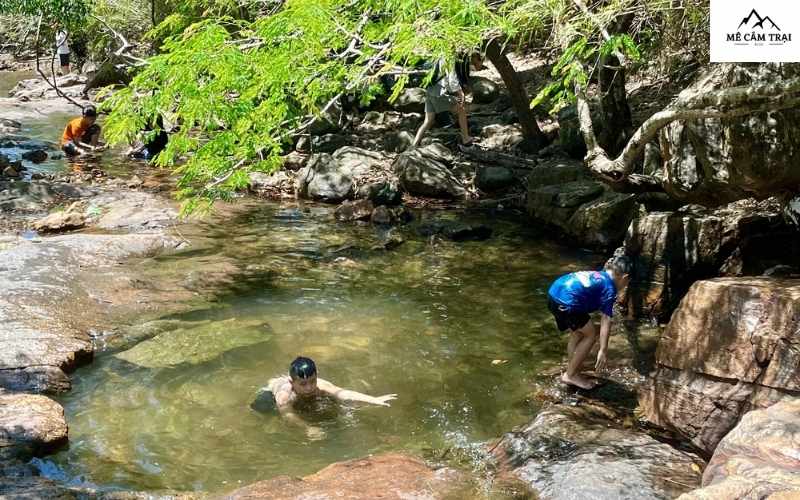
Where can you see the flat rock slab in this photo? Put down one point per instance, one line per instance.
(578, 452)
(30, 424)
(388, 477)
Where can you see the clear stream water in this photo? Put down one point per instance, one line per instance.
(459, 331)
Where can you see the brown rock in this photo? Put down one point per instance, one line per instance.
(733, 345)
(672, 250)
(388, 477)
(30, 424)
(60, 221)
(757, 459)
(10, 172)
(354, 210)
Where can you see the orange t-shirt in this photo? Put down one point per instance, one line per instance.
(74, 131)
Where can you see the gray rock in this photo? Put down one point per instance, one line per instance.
(322, 180)
(484, 91)
(716, 161)
(398, 142)
(411, 100)
(494, 178)
(577, 452)
(328, 143)
(381, 193)
(386, 216)
(332, 178)
(270, 184)
(294, 161)
(36, 155)
(422, 172)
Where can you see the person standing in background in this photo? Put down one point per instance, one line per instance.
(62, 49)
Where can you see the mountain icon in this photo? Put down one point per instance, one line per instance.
(760, 23)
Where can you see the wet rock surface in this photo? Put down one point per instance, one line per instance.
(579, 452)
(757, 459)
(425, 172)
(732, 346)
(388, 476)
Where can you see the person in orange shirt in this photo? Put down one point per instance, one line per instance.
(81, 135)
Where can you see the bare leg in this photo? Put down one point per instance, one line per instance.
(574, 337)
(426, 124)
(588, 336)
(461, 112)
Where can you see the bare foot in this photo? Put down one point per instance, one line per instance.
(578, 381)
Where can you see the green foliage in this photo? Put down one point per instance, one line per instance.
(65, 12)
(238, 88)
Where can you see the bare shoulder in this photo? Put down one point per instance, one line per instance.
(281, 388)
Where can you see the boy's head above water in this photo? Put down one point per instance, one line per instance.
(303, 373)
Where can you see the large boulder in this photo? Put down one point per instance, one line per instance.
(560, 193)
(732, 346)
(484, 91)
(494, 178)
(333, 178)
(424, 172)
(714, 161)
(757, 459)
(30, 424)
(576, 452)
(411, 100)
(672, 250)
(60, 221)
(388, 476)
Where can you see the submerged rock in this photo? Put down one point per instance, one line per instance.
(350, 211)
(578, 452)
(389, 476)
(731, 347)
(494, 178)
(456, 231)
(757, 459)
(36, 155)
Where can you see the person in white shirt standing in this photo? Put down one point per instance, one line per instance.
(62, 49)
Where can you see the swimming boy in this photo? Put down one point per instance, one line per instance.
(302, 384)
(81, 134)
(572, 298)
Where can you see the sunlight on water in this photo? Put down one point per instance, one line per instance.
(423, 321)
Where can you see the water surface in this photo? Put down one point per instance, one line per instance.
(458, 330)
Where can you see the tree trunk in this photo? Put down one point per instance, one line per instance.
(534, 137)
(615, 117)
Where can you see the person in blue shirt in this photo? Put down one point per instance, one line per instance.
(572, 298)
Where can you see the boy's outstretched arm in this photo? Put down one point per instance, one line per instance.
(348, 395)
(602, 353)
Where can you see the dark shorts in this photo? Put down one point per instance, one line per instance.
(71, 149)
(64, 58)
(566, 319)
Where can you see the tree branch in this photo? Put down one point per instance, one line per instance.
(54, 83)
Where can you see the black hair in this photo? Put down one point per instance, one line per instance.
(620, 264)
(302, 368)
(89, 111)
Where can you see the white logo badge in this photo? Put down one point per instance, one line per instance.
(750, 31)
